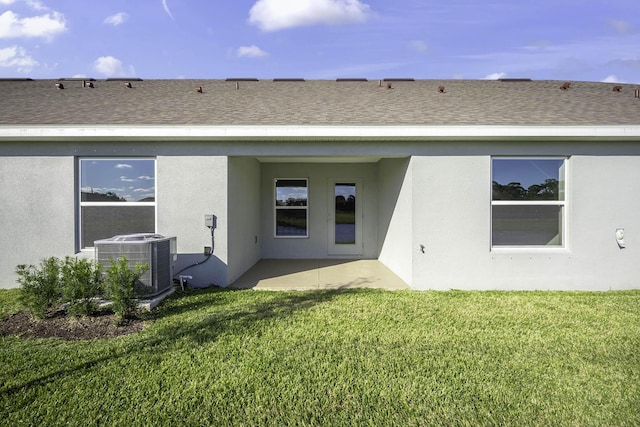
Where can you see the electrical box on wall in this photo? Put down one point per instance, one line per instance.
(210, 221)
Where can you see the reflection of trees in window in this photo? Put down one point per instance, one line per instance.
(346, 204)
(531, 215)
(291, 197)
(291, 201)
(548, 190)
(109, 196)
(109, 207)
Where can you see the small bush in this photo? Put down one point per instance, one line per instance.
(40, 289)
(81, 283)
(120, 283)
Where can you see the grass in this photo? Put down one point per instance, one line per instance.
(353, 357)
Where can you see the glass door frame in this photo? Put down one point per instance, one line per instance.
(334, 248)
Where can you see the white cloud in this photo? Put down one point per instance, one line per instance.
(123, 166)
(420, 46)
(145, 177)
(252, 51)
(109, 66)
(166, 9)
(117, 19)
(44, 26)
(622, 27)
(125, 179)
(612, 79)
(496, 76)
(273, 15)
(16, 57)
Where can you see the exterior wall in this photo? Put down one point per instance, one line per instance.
(604, 196)
(244, 215)
(451, 217)
(395, 211)
(316, 245)
(37, 212)
(440, 198)
(188, 188)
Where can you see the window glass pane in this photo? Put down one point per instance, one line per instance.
(528, 179)
(291, 222)
(520, 225)
(117, 180)
(101, 222)
(291, 192)
(345, 214)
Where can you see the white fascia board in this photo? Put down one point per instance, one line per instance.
(622, 132)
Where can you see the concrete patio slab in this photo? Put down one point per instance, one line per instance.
(308, 274)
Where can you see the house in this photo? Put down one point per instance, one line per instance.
(507, 184)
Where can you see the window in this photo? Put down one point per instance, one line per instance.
(528, 204)
(117, 196)
(291, 208)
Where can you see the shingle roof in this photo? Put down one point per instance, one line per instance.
(353, 103)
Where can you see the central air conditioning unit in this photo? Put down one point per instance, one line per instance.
(157, 251)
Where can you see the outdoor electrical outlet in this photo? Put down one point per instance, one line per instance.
(207, 250)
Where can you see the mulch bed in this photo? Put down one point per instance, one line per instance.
(58, 325)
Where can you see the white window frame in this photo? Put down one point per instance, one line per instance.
(276, 208)
(563, 203)
(82, 203)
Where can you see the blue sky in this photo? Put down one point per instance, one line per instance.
(592, 40)
(132, 179)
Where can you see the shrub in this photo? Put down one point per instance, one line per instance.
(40, 289)
(81, 282)
(120, 283)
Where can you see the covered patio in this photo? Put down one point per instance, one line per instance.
(310, 274)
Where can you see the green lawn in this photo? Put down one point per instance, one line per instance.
(353, 357)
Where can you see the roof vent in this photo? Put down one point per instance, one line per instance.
(616, 88)
(128, 85)
(124, 79)
(637, 93)
(389, 86)
(565, 86)
(199, 89)
(59, 85)
(77, 79)
(242, 79)
(441, 89)
(516, 79)
(87, 84)
(16, 79)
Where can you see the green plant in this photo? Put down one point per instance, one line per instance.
(40, 289)
(120, 283)
(81, 283)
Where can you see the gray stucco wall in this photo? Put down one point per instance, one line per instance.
(439, 198)
(451, 217)
(188, 188)
(395, 212)
(245, 240)
(37, 212)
